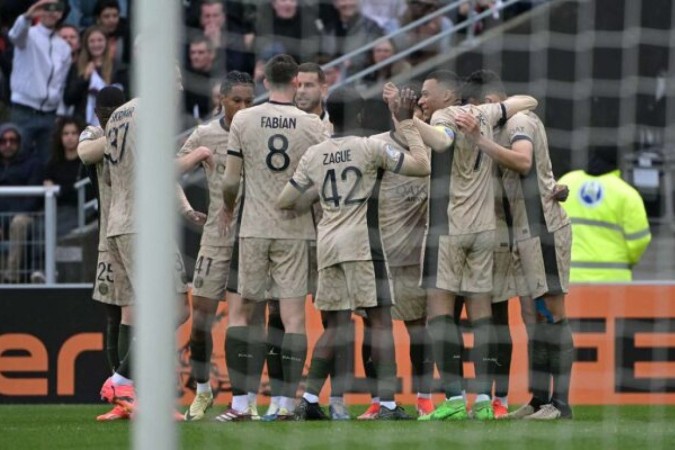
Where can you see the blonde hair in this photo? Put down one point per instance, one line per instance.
(85, 56)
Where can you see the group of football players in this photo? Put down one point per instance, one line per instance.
(455, 207)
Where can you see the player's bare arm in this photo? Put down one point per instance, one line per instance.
(518, 103)
(199, 155)
(518, 158)
(231, 180)
(195, 217)
(439, 138)
(91, 151)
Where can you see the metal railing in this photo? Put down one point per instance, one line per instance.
(82, 204)
(49, 193)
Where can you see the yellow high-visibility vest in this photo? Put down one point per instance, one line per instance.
(610, 231)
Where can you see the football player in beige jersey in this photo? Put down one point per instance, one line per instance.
(465, 254)
(90, 150)
(347, 172)
(214, 261)
(265, 145)
(542, 235)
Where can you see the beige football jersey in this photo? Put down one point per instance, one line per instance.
(403, 210)
(91, 133)
(471, 205)
(213, 135)
(271, 138)
(348, 172)
(120, 154)
(530, 196)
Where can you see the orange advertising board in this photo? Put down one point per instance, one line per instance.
(624, 336)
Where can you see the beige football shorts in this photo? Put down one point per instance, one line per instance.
(411, 299)
(104, 283)
(465, 263)
(353, 284)
(211, 272)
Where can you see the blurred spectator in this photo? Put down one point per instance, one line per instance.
(232, 46)
(347, 29)
(82, 13)
(384, 12)
(64, 169)
(116, 28)
(6, 52)
(95, 69)
(384, 50)
(71, 35)
(480, 6)
(199, 77)
(416, 10)
(16, 169)
(288, 27)
(333, 75)
(40, 66)
(216, 98)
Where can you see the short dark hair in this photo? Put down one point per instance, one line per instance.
(280, 70)
(344, 106)
(447, 78)
(310, 67)
(201, 39)
(103, 4)
(234, 78)
(108, 100)
(481, 83)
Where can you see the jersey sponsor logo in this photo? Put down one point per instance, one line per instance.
(591, 193)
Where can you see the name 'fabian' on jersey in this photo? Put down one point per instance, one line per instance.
(277, 122)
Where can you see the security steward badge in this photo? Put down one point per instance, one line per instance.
(199, 282)
(103, 289)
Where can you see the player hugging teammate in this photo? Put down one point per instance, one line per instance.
(456, 202)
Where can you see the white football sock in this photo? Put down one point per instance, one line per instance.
(504, 401)
(337, 401)
(122, 381)
(420, 395)
(203, 388)
(311, 397)
(252, 398)
(482, 398)
(375, 400)
(240, 402)
(389, 405)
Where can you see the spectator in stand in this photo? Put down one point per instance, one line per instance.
(384, 12)
(116, 29)
(40, 66)
(71, 35)
(289, 27)
(384, 50)
(83, 12)
(64, 170)
(480, 6)
(232, 47)
(6, 52)
(333, 75)
(216, 98)
(198, 79)
(16, 169)
(347, 29)
(416, 10)
(95, 69)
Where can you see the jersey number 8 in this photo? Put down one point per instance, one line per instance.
(277, 145)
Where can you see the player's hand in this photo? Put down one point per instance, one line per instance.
(407, 103)
(468, 124)
(205, 156)
(560, 192)
(195, 217)
(390, 96)
(224, 221)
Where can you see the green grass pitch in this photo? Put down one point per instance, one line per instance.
(74, 427)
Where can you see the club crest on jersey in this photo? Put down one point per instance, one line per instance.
(199, 282)
(591, 193)
(103, 289)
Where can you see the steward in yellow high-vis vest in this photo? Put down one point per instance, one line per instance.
(610, 231)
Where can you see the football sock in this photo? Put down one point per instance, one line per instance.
(310, 397)
(482, 347)
(240, 402)
(112, 332)
(124, 346)
(367, 356)
(121, 380)
(457, 318)
(561, 354)
(257, 347)
(421, 359)
(503, 348)
(375, 400)
(342, 364)
(275, 336)
(236, 358)
(252, 398)
(318, 372)
(293, 355)
(336, 401)
(530, 351)
(383, 352)
(389, 405)
(443, 332)
(540, 381)
(386, 382)
(201, 347)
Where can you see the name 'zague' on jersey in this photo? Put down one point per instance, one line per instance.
(271, 138)
(347, 171)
